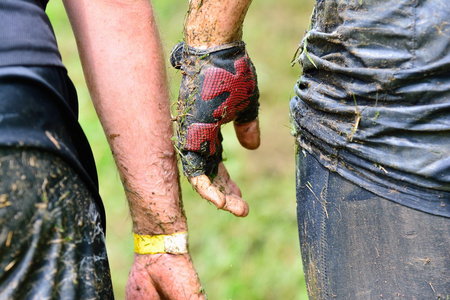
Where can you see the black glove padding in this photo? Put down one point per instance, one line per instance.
(219, 85)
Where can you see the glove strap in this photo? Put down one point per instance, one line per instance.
(200, 52)
(176, 55)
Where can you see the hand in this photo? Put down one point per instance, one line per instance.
(163, 276)
(222, 192)
(219, 85)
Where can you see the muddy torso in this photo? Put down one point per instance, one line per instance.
(373, 102)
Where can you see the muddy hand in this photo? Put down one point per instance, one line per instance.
(219, 85)
(222, 192)
(163, 276)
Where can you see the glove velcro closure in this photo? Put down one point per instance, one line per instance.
(181, 49)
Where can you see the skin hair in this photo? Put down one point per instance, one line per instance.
(124, 66)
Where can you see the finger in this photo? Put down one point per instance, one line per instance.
(233, 196)
(224, 178)
(219, 193)
(233, 201)
(234, 188)
(140, 285)
(248, 134)
(207, 191)
(236, 205)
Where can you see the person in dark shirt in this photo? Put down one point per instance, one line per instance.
(51, 216)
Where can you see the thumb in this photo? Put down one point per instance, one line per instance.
(248, 134)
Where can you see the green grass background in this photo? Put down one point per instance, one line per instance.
(256, 257)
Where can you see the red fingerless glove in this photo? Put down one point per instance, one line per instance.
(219, 85)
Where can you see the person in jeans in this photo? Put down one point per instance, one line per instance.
(371, 117)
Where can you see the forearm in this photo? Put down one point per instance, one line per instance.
(214, 22)
(124, 68)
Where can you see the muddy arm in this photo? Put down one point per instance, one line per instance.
(215, 22)
(211, 23)
(124, 67)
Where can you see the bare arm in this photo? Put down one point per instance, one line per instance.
(124, 67)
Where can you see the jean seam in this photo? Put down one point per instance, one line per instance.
(323, 239)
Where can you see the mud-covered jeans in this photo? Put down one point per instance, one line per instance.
(51, 240)
(356, 245)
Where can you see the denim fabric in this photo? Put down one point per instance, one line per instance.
(374, 97)
(357, 245)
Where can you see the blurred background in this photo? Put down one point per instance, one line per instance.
(256, 257)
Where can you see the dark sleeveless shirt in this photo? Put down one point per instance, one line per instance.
(26, 34)
(38, 102)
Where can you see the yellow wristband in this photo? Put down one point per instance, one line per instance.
(176, 243)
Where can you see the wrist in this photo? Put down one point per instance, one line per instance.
(200, 36)
(176, 243)
(202, 50)
(205, 43)
(214, 48)
(154, 214)
(213, 23)
(181, 50)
